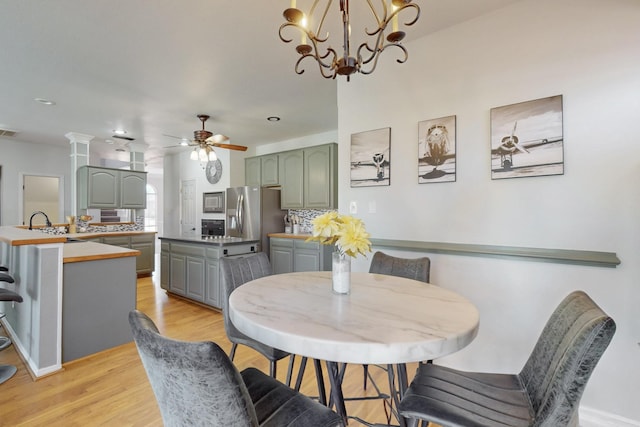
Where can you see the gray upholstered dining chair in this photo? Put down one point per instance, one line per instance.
(236, 272)
(547, 390)
(410, 268)
(196, 384)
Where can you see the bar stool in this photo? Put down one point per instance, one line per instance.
(7, 371)
(5, 277)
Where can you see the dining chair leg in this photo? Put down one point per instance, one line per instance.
(232, 354)
(292, 359)
(322, 392)
(273, 367)
(366, 375)
(303, 366)
(336, 390)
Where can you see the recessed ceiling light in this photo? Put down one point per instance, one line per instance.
(273, 118)
(44, 101)
(119, 131)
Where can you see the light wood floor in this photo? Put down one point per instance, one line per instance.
(110, 388)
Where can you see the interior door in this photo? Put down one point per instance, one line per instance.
(188, 205)
(41, 193)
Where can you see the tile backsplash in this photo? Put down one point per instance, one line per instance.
(306, 215)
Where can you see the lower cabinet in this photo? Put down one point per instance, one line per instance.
(192, 270)
(145, 243)
(289, 255)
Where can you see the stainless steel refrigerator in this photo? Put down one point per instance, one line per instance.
(254, 212)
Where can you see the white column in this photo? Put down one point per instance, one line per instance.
(136, 163)
(136, 156)
(79, 157)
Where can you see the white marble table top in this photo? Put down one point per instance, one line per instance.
(384, 320)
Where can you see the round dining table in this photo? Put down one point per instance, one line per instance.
(383, 320)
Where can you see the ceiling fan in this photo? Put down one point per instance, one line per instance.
(204, 142)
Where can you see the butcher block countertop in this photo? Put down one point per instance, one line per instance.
(19, 236)
(91, 251)
(107, 234)
(290, 235)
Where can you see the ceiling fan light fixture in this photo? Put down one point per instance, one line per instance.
(194, 154)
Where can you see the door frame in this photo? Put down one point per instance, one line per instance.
(61, 184)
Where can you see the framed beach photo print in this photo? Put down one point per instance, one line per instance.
(437, 150)
(527, 139)
(370, 162)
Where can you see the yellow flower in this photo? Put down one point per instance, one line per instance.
(346, 232)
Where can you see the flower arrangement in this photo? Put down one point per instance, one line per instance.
(347, 233)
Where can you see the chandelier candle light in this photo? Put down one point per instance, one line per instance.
(366, 56)
(349, 237)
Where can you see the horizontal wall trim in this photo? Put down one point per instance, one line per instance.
(561, 256)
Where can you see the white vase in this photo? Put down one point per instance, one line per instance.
(341, 269)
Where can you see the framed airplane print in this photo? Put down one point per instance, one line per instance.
(437, 150)
(527, 139)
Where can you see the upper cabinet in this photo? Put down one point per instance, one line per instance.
(133, 190)
(261, 171)
(309, 178)
(320, 177)
(291, 165)
(105, 188)
(252, 171)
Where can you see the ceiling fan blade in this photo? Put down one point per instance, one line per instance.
(184, 141)
(230, 146)
(217, 138)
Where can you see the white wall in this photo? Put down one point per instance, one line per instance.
(585, 50)
(20, 157)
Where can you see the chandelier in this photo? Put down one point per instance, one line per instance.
(365, 60)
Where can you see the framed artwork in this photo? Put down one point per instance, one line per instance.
(370, 162)
(437, 150)
(527, 139)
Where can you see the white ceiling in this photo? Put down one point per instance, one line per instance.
(150, 66)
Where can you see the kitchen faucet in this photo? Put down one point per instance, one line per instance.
(36, 213)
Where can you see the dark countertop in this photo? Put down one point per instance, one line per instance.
(227, 241)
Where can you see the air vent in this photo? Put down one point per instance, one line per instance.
(126, 138)
(7, 132)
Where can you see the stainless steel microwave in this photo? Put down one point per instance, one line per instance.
(213, 202)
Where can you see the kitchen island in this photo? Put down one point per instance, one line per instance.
(190, 265)
(38, 263)
(99, 291)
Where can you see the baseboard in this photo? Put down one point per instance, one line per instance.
(593, 418)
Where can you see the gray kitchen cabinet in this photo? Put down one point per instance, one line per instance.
(320, 177)
(261, 171)
(291, 179)
(269, 170)
(187, 271)
(106, 188)
(164, 265)
(178, 273)
(122, 241)
(195, 278)
(252, 172)
(98, 188)
(281, 255)
(145, 243)
(309, 177)
(133, 189)
(293, 255)
(192, 268)
(212, 293)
